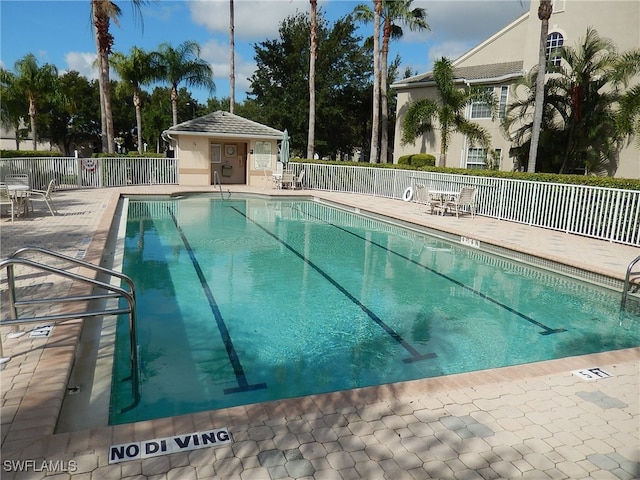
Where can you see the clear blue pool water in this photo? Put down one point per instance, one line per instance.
(249, 300)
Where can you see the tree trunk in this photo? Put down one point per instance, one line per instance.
(103, 119)
(544, 13)
(232, 64)
(384, 109)
(106, 88)
(137, 104)
(312, 81)
(104, 42)
(375, 120)
(174, 104)
(32, 119)
(17, 130)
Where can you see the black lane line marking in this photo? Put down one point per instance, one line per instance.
(243, 385)
(546, 330)
(415, 355)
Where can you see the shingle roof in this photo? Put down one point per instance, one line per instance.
(225, 124)
(478, 72)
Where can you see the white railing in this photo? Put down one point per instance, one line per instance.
(70, 172)
(604, 213)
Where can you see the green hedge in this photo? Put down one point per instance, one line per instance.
(588, 180)
(418, 160)
(40, 153)
(133, 153)
(28, 153)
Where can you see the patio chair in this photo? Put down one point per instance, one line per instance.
(463, 203)
(7, 199)
(424, 200)
(287, 179)
(44, 196)
(297, 181)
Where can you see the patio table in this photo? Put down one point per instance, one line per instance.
(20, 193)
(442, 197)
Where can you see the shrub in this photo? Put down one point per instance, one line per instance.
(417, 160)
(28, 153)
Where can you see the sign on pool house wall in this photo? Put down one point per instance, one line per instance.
(164, 446)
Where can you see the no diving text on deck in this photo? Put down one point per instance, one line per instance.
(164, 446)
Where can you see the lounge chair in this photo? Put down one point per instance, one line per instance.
(463, 203)
(44, 196)
(7, 199)
(297, 181)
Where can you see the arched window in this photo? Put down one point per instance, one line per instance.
(555, 40)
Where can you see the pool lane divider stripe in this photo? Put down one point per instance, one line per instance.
(241, 378)
(546, 330)
(415, 355)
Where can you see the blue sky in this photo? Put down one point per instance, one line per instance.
(59, 32)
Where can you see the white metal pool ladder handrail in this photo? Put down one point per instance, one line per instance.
(216, 181)
(115, 292)
(630, 278)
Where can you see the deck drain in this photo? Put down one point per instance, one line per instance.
(73, 390)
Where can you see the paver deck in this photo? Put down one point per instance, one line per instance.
(534, 421)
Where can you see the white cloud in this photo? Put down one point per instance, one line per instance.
(82, 62)
(449, 49)
(217, 55)
(252, 20)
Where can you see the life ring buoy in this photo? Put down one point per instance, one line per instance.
(408, 194)
(89, 164)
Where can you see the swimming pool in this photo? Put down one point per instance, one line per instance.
(247, 300)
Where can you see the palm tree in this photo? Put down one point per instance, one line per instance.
(36, 83)
(232, 61)
(13, 105)
(628, 115)
(394, 12)
(137, 69)
(102, 13)
(448, 110)
(183, 64)
(375, 121)
(585, 107)
(544, 13)
(313, 52)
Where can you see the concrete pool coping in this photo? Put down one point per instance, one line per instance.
(340, 435)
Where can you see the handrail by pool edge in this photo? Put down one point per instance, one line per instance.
(116, 291)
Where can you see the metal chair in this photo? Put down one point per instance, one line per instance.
(463, 203)
(7, 199)
(44, 196)
(297, 181)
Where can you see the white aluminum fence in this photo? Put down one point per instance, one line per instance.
(604, 213)
(70, 172)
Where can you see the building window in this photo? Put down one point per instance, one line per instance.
(216, 153)
(502, 107)
(555, 41)
(476, 158)
(558, 5)
(482, 109)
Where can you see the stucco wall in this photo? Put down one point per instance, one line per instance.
(614, 19)
(239, 167)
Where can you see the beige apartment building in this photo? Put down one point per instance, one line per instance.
(508, 55)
